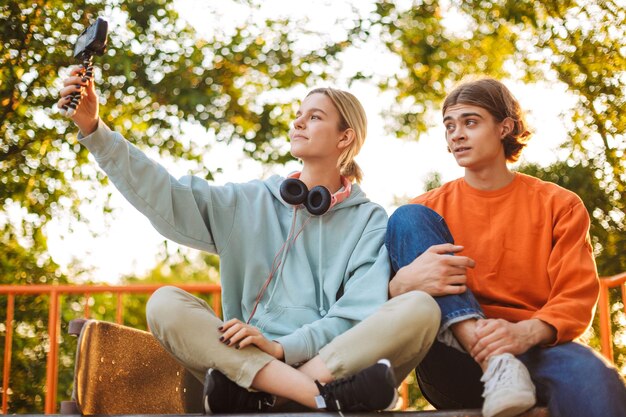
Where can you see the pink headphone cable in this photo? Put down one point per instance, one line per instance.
(275, 265)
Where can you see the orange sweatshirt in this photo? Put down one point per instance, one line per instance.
(530, 241)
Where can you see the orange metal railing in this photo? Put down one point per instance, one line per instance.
(56, 291)
(606, 333)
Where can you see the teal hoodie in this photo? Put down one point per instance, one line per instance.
(333, 276)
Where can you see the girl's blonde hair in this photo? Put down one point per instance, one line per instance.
(352, 116)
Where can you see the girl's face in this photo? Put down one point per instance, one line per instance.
(474, 137)
(315, 132)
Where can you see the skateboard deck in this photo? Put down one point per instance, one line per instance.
(121, 370)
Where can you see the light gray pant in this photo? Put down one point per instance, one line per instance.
(401, 330)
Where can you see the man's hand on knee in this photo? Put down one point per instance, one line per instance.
(435, 272)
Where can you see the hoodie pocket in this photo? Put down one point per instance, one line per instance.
(282, 320)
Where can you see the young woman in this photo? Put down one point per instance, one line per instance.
(527, 285)
(302, 262)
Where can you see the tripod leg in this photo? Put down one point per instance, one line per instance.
(87, 73)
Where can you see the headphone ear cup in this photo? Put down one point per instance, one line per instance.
(318, 201)
(293, 191)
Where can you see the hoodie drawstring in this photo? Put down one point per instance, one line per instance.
(320, 272)
(284, 249)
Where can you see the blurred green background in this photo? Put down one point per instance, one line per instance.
(161, 73)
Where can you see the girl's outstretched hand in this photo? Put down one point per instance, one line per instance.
(86, 115)
(238, 334)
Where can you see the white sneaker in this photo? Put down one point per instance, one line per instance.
(508, 388)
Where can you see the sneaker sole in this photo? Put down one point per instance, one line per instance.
(209, 386)
(514, 410)
(391, 377)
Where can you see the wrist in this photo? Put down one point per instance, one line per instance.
(279, 352)
(538, 332)
(546, 333)
(396, 286)
(88, 128)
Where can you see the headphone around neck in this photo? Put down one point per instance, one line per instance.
(317, 200)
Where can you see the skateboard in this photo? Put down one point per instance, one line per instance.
(121, 370)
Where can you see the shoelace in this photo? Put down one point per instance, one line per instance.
(501, 371)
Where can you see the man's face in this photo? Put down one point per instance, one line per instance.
(473, 136)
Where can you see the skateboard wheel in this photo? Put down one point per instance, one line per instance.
(76, 326)
(69, 407)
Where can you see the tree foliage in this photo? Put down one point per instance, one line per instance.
(575, 42)
(159, 75)
(579, 43)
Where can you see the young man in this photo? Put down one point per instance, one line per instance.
(527, 283)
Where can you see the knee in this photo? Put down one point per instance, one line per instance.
(593, 370)
(162, 306)
(575, 367)
(419, 311)
(418, 224)
(405, 216)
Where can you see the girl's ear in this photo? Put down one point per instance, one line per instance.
(346, 138)
(507, 127)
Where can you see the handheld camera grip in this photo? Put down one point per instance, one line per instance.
(92, 41)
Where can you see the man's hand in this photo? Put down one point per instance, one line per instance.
(496, 336)
(239, 335)
(435, 272)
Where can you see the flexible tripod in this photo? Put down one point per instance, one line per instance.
(87, 73)
(92, 41)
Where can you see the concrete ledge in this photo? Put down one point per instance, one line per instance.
(534, 412)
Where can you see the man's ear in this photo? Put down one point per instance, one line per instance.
(346, 138)
(507, 127)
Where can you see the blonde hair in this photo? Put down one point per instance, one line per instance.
(352, 116)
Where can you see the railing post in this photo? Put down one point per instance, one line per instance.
(119, 308)
(623, 288)
(404, 393)
(606, 343)
(51, 366)
(86, 311)
(217, 303)
(8, 340)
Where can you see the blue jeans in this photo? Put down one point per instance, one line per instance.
(571, 379)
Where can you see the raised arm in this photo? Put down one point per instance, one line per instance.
(186, 210)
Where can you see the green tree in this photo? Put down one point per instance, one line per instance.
(577, 43)
(157, 76)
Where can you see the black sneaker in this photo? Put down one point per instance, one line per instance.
(372, 389)
(221, 396)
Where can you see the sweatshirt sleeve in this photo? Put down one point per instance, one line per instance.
(365, 291)
(186, 210)
(573, 275)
